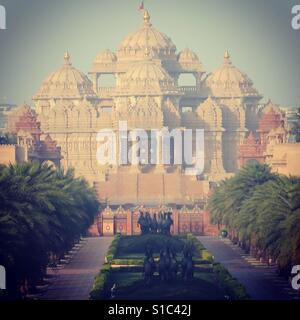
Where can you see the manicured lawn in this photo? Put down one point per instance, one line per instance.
(125, 270)
(202, 287)
(133, 247)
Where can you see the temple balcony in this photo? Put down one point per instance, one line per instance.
(191, 91)
(106, 92)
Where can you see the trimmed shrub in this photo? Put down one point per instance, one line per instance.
(234, 289)
(112, 250)
(127, 262)
(101, 287)
(137, 244)
(102, 283)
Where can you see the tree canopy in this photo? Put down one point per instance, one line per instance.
(43, 212)
(262, 211)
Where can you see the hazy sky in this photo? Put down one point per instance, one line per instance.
(257, 33)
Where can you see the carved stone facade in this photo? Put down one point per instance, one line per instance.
(72, 108)
(271, 131)
(186, 219)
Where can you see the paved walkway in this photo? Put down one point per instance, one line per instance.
(260, 280)
(75, 280)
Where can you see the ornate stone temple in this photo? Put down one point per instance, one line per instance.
(73, 107)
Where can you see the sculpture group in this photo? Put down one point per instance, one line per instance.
(168, 265)
(157, 224)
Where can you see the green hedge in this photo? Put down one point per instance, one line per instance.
(112, 250)
(201, 252)
(127, 262)
(102, 283)
(101, 287)
(128, 269)
(136, 245)
(234, 289)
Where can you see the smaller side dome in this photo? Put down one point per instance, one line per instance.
(189, 61)
(106, 56)
(66, 83)
(188, 56)
(229, 81)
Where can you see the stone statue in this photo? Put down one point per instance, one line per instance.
(154, 225)
(143, 223)
(187, 262)
(148, 222)
(168, 265)
(149, 265)
(173, 265)
(164, 265)
(159, 222)
(166, 223)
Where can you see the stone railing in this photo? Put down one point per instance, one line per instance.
(106, 92)
(189, 90)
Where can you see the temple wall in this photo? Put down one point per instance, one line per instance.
(284, 158)
(153, 188)
(11, 154)
(125, 222)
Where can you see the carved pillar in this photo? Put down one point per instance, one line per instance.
(176, 222)
(95, 82)
(129, 223)
(198, 77)
(217, 159)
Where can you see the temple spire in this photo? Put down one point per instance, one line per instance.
(67, 58)
(227, 57)
(146, 16)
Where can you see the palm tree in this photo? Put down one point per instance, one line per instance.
(226, 201)
(42, 213)
(262, 210)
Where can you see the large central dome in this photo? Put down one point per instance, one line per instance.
(134, 45)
